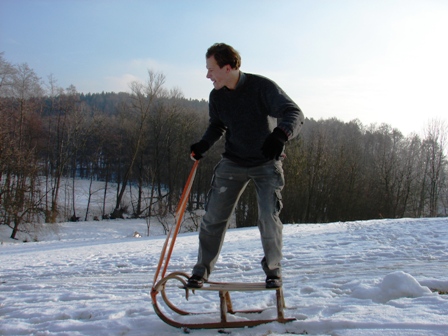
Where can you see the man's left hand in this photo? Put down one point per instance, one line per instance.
(274, 144)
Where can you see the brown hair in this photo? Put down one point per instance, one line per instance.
(224, 54)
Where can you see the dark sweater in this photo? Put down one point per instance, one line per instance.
(247, 115)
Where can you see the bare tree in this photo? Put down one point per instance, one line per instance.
(7, 73)
(134, 118)
(435, 155)
(20, 192)
(58, 148)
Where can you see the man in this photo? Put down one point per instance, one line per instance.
(247, 108)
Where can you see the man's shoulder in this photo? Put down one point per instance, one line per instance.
(256, 77)
(259, 79)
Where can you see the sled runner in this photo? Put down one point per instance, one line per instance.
(223, 288)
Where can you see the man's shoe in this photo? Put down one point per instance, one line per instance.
(195, 281)
(273, 282)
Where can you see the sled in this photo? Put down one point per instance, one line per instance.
(226, 305)
(222, 288)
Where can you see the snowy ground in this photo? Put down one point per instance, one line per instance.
(354, 278)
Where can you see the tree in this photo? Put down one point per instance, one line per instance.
(20, 133)
(140, 142)
(60, 138)
(434, 148)
(135, 114)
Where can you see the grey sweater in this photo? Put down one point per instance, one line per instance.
(247, 115)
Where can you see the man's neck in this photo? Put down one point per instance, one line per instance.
(233, 80)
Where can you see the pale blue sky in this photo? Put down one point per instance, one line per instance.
(375, 60)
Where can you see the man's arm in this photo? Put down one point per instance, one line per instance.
(215, 129)
(283, 107)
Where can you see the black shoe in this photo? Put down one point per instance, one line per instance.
(273, 281)
(195, 281)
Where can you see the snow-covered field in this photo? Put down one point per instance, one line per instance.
(379, 277)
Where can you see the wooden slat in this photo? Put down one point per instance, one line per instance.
(234, 287)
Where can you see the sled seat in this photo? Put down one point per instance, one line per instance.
(234, 286)
(226, 306)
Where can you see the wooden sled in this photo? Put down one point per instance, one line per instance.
(223, 289)
(226, 306)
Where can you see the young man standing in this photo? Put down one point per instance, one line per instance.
(257, 118)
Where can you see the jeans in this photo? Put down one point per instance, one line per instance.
(228, 183)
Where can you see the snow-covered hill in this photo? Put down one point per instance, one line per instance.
(379, 277)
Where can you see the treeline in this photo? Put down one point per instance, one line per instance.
(335, 171)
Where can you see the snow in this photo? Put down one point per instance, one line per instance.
(379, 277)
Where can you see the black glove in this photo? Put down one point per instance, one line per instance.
(274, 144)
(198, 149)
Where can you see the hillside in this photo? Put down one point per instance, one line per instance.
(382, 277)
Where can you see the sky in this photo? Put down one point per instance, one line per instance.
(379, 61)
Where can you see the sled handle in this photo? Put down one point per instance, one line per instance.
(166, 256)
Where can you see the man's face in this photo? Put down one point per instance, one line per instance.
(219, 76)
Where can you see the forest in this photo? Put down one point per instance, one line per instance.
(334, 171)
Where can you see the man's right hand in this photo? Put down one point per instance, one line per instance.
(198, 149)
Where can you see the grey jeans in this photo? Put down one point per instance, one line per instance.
(228, 183)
